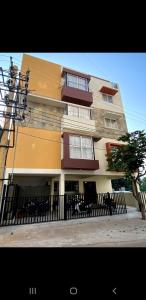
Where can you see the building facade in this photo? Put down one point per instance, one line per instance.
(72, 121)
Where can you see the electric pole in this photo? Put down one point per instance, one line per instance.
(15, 102)
(7, 125)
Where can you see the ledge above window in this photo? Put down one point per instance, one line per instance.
(110, 145)
(109, 91)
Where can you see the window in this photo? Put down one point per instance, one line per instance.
(81, 147)
(71, 80)
(107, 98)
(73, 111)
(84, 113)
(77, 82)
(79, 112)
(72, 186)
(111, 123)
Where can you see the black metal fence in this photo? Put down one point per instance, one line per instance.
(77, 206)
(27, 210)
(142, 198)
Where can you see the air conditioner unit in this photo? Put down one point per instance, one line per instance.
(114, 85)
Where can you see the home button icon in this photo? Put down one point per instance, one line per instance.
(73, 291)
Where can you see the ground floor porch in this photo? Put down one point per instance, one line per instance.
(40, 196)
(39, 181)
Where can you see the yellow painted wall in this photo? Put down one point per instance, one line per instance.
(45, 77)
(32, 152)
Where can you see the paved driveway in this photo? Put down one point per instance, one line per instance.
(108, 231)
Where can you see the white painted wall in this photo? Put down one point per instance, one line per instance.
(95, 85)
(76, 123)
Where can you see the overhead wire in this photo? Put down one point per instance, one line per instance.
(46, 77)
(67, 122)
(144, 120)
(50, 119)
(51, 140)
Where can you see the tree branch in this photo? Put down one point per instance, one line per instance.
(141, 175)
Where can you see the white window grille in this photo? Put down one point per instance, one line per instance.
(81, 147)
(80, 112)
(111, 123)
(77, 82)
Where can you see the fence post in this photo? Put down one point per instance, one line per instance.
(61, 206)
(65, 208)
(2, 209)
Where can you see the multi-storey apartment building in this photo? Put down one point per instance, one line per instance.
(73, 119)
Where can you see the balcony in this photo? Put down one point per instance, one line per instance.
(108, 90)
(76, 96)
(78, 164)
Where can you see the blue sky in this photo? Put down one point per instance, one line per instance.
(127, 69)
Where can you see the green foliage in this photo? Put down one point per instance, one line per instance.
(121, 182)
(143, 184)
(130, 157)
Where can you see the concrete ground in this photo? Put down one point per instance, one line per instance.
(126, 230)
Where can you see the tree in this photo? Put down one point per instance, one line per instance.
(121, 182)
(143, 184)
(130, 158)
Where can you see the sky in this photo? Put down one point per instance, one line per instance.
(127, 69)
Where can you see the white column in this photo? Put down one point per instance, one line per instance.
(61, 193)
(81, 187)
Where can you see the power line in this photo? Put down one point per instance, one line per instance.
(126, 110)
(56, 141)
(66, 122)
(71, 127)
(81, 121)
(60, 123)
(48, 118)
(95, 108)
(46, 77)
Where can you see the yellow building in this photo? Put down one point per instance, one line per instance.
(72, 120)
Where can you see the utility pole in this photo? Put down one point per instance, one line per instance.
(7, 125)
(15, 102)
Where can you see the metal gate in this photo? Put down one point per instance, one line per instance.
(77, 206)
(142, 199)
(36, 209)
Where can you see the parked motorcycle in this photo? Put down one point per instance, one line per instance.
(81, 207)
(35, 206)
